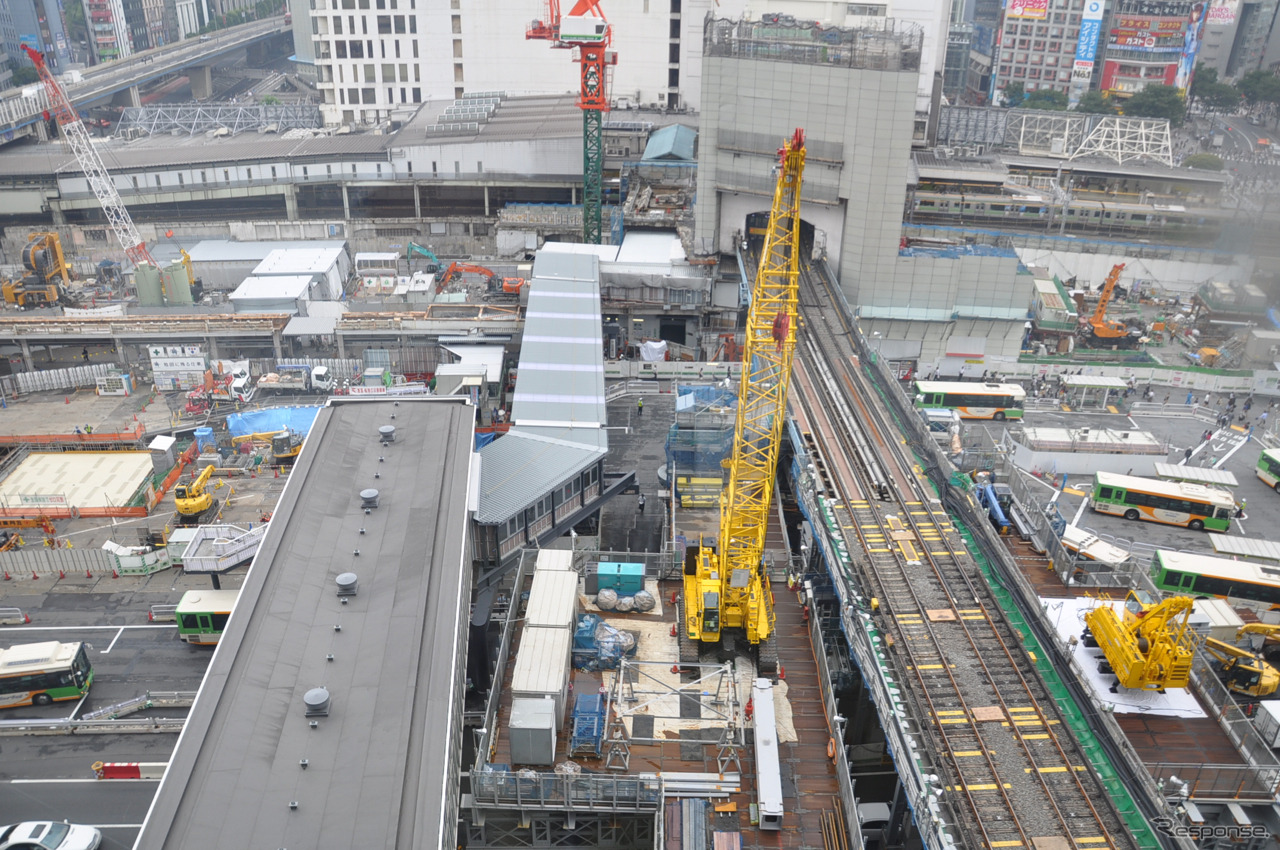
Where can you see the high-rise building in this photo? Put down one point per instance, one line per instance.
(1038, 43)
(1235, 36)
(1151, 42)
(190, 16)
(108, 30)
(39, 24)
(6, 76)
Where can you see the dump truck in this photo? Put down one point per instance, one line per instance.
(297, 378)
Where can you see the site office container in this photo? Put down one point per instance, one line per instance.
(553, 600)
(542, 667)
(531, 731)
(555, 559)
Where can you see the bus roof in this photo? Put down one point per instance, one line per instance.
(208, 600)
(1246, 547)
(35, 656)
(1209, 477)
(1173, 489)
(1093, 547)
(1274, 454)
(1187, 562)
(969, 387)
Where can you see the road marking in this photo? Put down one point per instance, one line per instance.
(116, 825)
(87, 628)
(113, 642)
(71, 781)
(72, 716)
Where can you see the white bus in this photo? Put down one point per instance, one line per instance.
(971, 399)
(1170, 502)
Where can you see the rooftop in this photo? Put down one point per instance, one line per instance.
(379, 769)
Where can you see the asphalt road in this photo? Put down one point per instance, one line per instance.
(51, 778)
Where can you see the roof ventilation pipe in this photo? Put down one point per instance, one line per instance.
(387, 434)
(348, 584)
(317, 702)
(368, 498)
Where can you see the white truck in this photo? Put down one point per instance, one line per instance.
(297, 378)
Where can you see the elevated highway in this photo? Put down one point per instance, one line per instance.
(20, 116)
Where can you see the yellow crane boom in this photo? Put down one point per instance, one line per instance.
(1152, 647)
(728, 588)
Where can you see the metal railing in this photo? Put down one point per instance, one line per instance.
(581, 792)
(1217, 782)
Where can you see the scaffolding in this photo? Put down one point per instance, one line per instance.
(1127, 139)
(710, 701)
(194, 119)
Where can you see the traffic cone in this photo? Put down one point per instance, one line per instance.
(7, 577)
(673, 629)
(115, 574)
(62, 574)
(88, 574)
(782, 670)
(26, 617)
(675, 668)
(34, 576)
(66, 399)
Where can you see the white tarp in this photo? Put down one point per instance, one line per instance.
(653, 352)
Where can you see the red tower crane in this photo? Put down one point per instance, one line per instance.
(586, 31)
(77, 138)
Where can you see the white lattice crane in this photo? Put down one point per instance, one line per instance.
(77, 137)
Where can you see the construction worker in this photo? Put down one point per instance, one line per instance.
(640, 503)
(640, 407)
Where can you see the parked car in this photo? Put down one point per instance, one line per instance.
(49, 835)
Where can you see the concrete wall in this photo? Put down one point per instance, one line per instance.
(941, 288)
(865, 115)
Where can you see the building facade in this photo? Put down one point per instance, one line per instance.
(1037, 44)
(39, 24)
(1151, 42)
(857, 117)
(1235, 36)
(108, 30)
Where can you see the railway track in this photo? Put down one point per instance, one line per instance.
(1012, 774)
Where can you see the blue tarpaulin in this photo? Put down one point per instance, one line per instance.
(296, 419)
(484, 439)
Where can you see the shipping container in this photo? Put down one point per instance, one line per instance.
(1268, 722)
(627, 579)
(553, 600)
(542, 668)
(1222, 620)
(531, 731)
(555, 559)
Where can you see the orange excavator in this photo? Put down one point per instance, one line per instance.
(1097, 330)
(497, 283)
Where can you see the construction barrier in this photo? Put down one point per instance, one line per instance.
(163, 614)
(129, 769)
(13, 617)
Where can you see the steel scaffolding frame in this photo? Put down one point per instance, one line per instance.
(1047, 133)
(196, 118)
(1127, 139)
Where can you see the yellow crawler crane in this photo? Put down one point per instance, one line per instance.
(1152, 647)
(725, 586)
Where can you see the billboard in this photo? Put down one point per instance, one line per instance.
(1086, 49)
(1222, 12)
(1190, 47)
(1148, 33)
(1033, 9)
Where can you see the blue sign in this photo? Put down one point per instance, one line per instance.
(32, 41)
(1087, 46)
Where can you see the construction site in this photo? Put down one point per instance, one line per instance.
(653, 527)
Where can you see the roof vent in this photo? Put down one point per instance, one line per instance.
(387, 433)
(369, 498)
(317, 700)
(348, 584)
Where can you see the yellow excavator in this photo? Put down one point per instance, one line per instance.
(286, 445)
(1244, 671)
(48, 277)
(1151, 646)
(725, 585)
(194, 501)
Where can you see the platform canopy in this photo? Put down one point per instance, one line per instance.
(1197, 475)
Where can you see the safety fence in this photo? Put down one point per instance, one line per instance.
(36, 561)
(1217, 782)
(70, 378)
(591, 792)
(96, 440)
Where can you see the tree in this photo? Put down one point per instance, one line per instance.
(77, 29)
(1205, 161)
(1014, 94)
(268, 100)
(1260, 87)
(1219, 96)
(1204, 76)
(1157, 102)
(1097, 103)
(1046, 99)
(23, 75)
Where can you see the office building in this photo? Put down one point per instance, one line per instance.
(1235, 36)
(108, 30)
(1151, 42)
(39, 24)
(1041, 45)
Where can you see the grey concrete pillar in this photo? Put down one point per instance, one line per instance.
(275, 343)
(417, 202)
(291, 202)
(59, 217)
(26, 355)
(128, 97)
(213, 349)
(486, 201)
(122, 359)
(201, 77)
(346, 204)
(342, 345)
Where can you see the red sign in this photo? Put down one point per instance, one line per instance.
(1037, 9)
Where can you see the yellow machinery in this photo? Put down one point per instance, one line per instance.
(48, 276)
(285, 445)
(725, 587)
(1152, 647)
(194, 501)
(1098, 329)
(1243, 670)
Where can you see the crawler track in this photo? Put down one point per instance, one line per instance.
(1010, 771)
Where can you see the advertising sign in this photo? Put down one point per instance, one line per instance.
(1086, 49)
(1035, 9)
(1190, 47)
(1222, 12)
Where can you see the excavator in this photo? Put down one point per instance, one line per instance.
(1100, 332)
(726, 587)
(194, 501)
(1152, 647)
(497, 284)
(1244, 671)
(48, 276)
(286, 445)
(433, 262)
